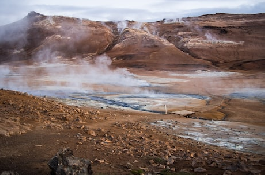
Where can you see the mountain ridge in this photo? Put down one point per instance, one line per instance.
(226, 41)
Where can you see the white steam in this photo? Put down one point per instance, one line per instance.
(4, 71)
(49, 70)
(57, 74)
(137, 25)
(121, 25)
(209, 36)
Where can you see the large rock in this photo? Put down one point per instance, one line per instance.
(64, 163)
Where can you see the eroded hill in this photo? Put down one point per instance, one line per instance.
(221, 40)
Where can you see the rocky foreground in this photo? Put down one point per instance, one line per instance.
(33, 129)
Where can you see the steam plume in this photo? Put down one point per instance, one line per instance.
(58, 74)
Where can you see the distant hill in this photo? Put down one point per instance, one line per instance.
(226, 41)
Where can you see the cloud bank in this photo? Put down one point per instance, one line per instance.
(104, 10)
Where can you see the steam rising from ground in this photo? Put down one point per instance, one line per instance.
(236, 136)
(50, 71)
(121, 25)
(209, 36)
(58, 74)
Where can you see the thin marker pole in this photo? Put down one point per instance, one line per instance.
(165, 109)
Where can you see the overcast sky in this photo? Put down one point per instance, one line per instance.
(138, 10)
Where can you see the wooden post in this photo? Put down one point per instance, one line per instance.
(165, 109)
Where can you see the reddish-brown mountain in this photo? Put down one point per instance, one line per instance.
(221, 40)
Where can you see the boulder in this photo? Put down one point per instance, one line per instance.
(200, 170)
(9, 173)
(64, 163)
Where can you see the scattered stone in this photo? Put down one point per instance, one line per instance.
(200, 170)
(228, 156)
(170, 161)
(81, 138)
(227, 172)
(262, 162)
(9, 173)
(197, 163)
(184, 171)
(100, 129)
(91, 132)
(128, 165)
(64, 163)
(192, 155)
(99, 161)
(183, 112)
(173, 169)
(78, 119)
(161, 166)
(244, 159)
(151, 162)
(255, 171)
(80, 126)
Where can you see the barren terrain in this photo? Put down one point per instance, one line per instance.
(182, 96)
(116, 141)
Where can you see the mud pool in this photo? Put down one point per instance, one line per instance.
(231, 135)
(149, 102)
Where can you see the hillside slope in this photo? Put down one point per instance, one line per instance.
(220, 40)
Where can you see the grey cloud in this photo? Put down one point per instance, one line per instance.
(116, 14)
(97, 13)
(258, 8)
(244, 9)
(120, 14)
(13, 10)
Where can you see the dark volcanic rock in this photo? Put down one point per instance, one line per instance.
(9, 173)
(64, 163)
